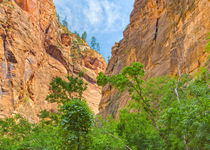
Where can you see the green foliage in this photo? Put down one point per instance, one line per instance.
(130, 78)
(158, 114)
(17, 133)
(108, 58)
(11, 131)
(76, 121)
(76, 33)
(208, 44)
(93, 42)
(26, 99)
(65, 22)
(188, 121)
(63, 91)
(75, 118)
(84, 36)
(153, 119)
(138, 130)
(98, 47)
(95, 45)
(80, 40)
(66, 128)
(104, 136)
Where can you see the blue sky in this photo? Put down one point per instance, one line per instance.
(104, 19)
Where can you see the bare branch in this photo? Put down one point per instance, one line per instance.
(177, 85)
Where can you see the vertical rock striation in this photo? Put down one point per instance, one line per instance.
(34, 48)
(162, 35)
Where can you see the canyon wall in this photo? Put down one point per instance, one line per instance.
(162, 35)
(34, 48)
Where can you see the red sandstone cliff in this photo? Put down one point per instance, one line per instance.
(161, 35)
(34, 48)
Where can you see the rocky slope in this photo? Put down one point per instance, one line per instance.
(34, 48)
(162, 35)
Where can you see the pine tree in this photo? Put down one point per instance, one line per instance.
(84, 36)
(93, 42)
(64, 22)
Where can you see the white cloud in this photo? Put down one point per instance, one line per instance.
(93, 15)
(103, 15)
(93, 12)
(112, 13)
(105, 19)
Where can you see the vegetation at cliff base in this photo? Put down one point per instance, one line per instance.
(163, 113)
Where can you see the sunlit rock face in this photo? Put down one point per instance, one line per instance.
(33, 50)
(161, 35)
(24, 4)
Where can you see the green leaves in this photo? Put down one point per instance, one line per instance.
(134, 70)
(66, 90)
(154, 119)
(102, 79)
(178, 124)
(76, 116)
(127, 79)
(208, 44)
(76, 122)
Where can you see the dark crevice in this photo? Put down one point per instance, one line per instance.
(9, 60)
(32, 52)
(11, 57)
(57, 54)
(156, 30)
(47, 29)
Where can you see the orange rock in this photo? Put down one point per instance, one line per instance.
(66, 39)
(161, 34)
(24, 4)
(32, 53)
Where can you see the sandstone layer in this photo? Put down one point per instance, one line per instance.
(162, 35)
(34, 48)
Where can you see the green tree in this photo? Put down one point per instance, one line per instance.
(131, 79)
(84, 36)
(108, 58)
(63, 91)
(65, 22)
(98, 47)
(93, 42)
(76, 121)
(76, 118)
(178, 124)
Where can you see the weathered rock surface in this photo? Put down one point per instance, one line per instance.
(34, 48)
(161, 35)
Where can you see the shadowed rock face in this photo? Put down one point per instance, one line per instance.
(33, 50)
(161, 35)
